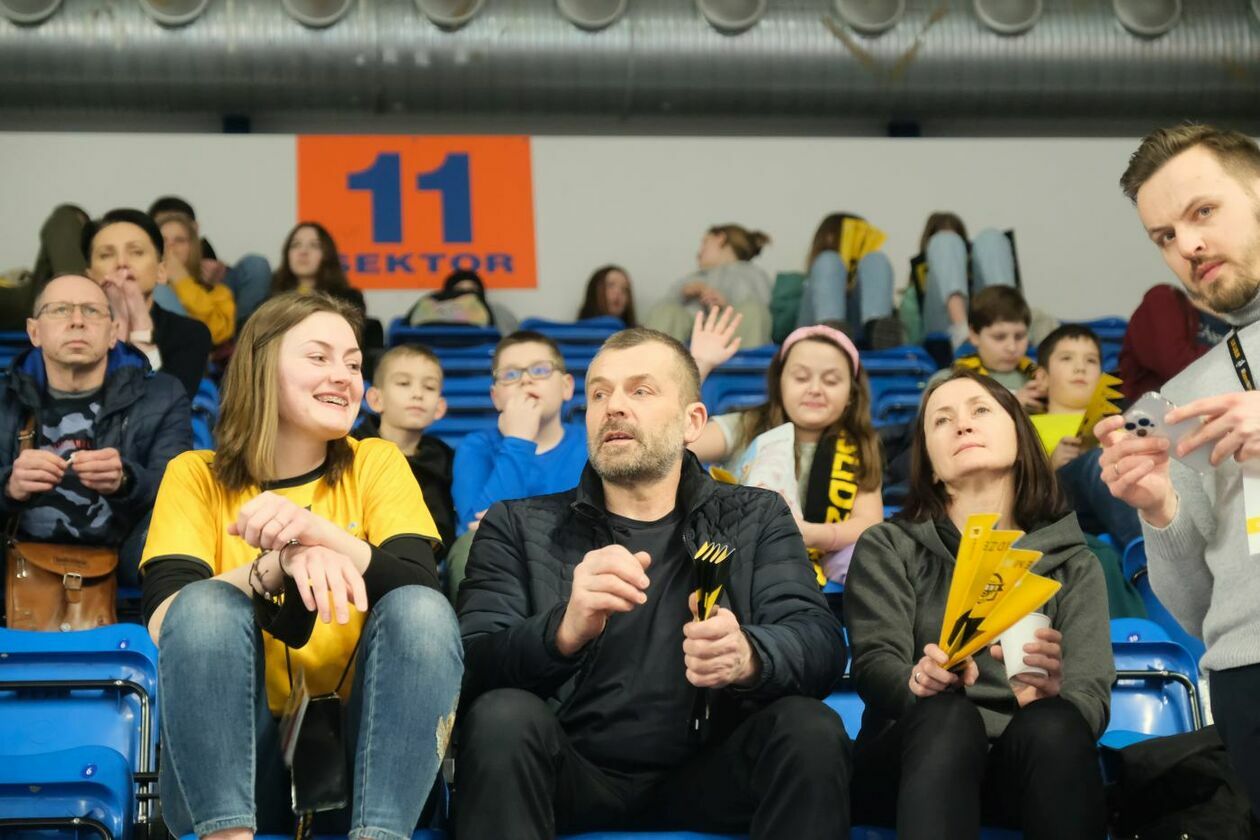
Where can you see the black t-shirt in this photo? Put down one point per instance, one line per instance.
(70, 512)
(1212, 330)
(631, 710)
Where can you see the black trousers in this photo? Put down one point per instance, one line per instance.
(1236, 713)
(783, 772)
(935, 775)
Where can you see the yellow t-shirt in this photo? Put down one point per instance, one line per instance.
(376, 500)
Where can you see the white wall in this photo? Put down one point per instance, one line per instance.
(644, 202)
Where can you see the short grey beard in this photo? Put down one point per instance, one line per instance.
(652, 467)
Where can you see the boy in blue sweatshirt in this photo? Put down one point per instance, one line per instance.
(531, 453)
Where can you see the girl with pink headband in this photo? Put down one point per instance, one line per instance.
(815, 382)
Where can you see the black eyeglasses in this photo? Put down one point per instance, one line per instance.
(538, 370)
(65, 311)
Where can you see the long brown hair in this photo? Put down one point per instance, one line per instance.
(1037, 496)
(744, 242)
(854, 422)
(329, 277)
(939, 221)
(596, 302)
(248, 428)
(827, 236)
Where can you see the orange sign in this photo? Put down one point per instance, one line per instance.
(407, 211)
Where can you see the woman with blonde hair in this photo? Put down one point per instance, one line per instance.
(725, 277)
(208, 301)
(295, 553)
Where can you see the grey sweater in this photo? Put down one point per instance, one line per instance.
(894, 603)
(739, 282)
(1200, 565)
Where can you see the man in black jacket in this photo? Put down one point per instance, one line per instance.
(124, 251)
(583, 661)
(102, 426)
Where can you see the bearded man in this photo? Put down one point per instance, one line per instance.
(1197, 193)
(585, 660)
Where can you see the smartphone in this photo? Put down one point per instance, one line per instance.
(1145, 418)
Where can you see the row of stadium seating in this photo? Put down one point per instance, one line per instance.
(79, 723)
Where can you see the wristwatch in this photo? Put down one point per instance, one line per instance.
(141, 336)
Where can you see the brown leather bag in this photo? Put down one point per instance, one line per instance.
(60, 587)
(49, 586)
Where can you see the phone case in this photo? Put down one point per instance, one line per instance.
(1146, 418)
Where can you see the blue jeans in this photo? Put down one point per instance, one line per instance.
(992, 263)
(827, 296)
(250, 282)
(1098, 510)
(221, 764)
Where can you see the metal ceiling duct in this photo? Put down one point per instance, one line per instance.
(317, 13)
(1148, 18)
(592, 15)
(174, 12)
(521, 58)
(28, 11)
(450, 14)
(732, 16)
(1008, 17)
(871, 17)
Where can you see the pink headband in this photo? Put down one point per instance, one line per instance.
(822, 331)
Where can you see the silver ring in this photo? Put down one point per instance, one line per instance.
(1116, 468)
(916, 678)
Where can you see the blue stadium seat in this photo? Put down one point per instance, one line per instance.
(205, 413)
(66, 793)
(440, 335)
(739, 401)
(98, 687)
(849, 706)
(907, 360)
(587, 331)
(1110, 329)
(1156, 690)
(895, 407)
(422, 834)
(1135, 570)
(475, 384)
(453, 428)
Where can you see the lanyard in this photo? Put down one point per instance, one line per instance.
(1239, 358)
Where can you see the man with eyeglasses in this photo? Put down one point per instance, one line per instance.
(531, 453)
(101, 425)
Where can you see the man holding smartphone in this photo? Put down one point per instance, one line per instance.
(1197, 191)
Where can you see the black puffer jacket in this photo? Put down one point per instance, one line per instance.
(520, 573)
(144, 415)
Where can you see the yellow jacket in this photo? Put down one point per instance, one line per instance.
(215, 307)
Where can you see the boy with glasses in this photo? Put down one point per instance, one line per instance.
(531, 453)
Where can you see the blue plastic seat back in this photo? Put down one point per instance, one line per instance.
(46, 719)
(908, 360)
(85, 782)
(1133, 630)
(593, 331)
(440, 335)
(1157, 612)
(849, 706)
(423, 834)
(1150, 706)
(1107, 329)
(1134, 560)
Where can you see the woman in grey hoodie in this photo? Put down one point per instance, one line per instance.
(725, 277)
(939, 751)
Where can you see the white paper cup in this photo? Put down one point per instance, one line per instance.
(1014, 639)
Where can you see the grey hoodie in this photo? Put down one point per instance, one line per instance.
(1200, 565)
(739, 282)
(894, 603)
